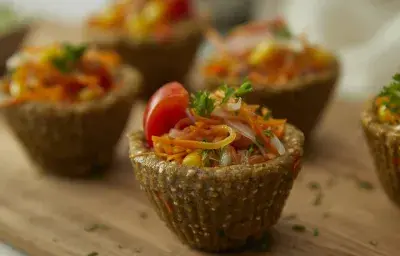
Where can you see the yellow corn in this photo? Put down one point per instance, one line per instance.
(138, 26)
(48, 54)
(385, 115)
(261, 52)
(87, 94)
(321, 55)
(153, 11)
(193, 159)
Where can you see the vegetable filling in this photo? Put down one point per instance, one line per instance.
(143, 18)
(65, 73)
(387, 103)
(267, 53)
(219, 129)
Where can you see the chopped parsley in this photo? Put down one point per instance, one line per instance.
(230, 92)
(267, 115)
(299, 228)
(313, 185)
(251, 149)
(281, 29)
(202, 103)
(244, 89)
(96, 227)
(283, 32)
(365, 185)
(268, 133)
(71, 54)
(392, 93)
(316, 232)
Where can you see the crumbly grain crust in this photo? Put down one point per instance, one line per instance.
(384, 145)
(75, 139)
(216, 209)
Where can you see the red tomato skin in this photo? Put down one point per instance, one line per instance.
(178, 9)
(165, 108)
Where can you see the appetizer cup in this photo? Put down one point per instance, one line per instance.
(291, 77)
(161, 44)
(67, 128)
(380, 121)
(214, 200)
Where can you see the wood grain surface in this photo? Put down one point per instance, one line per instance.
(336, 199)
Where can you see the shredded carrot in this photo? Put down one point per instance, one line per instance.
(211, 134)
(198, 144)
(274, 67)
(60, 73)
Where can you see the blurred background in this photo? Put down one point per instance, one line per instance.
(364, 33)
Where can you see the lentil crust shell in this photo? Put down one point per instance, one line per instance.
(159, 63)
(383, 141)
(218, 209)
(74, 139)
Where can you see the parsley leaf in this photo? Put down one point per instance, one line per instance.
(299, 228)
(71, 54)
(392, 92)
(284, 32)
(202, 103)
(251, 149)
(267, 115)
(244, 89)
(267, 133)
(229, 92)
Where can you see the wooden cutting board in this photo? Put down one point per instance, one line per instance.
(49, 216)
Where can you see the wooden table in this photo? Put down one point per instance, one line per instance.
(349, 214)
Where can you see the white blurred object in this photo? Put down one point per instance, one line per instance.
(365, 33)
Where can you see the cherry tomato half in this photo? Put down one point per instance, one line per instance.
(178, 9)
(165, 108)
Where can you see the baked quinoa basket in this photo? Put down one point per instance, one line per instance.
(159, 38)
(215, 199)
(380, 122)
(69, 121)
(290, 76)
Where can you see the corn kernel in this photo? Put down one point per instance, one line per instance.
(153, 11)
(193, 159)
(87, 94)
(138, 26)
(261, 51)
(321, 55)
(16, 89)
(48, 54)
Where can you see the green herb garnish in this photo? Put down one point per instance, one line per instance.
(95, 227)
(299, 228)
(70, 55)
(202, 103)
(229, 92)
(244, 89)
(365, 185)
(205, 158)
(392, 92)
(267, 115)
(316, 232)
(251, 149)
(93, 254)
(313, 185)
(268, 133)
(283, 32)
